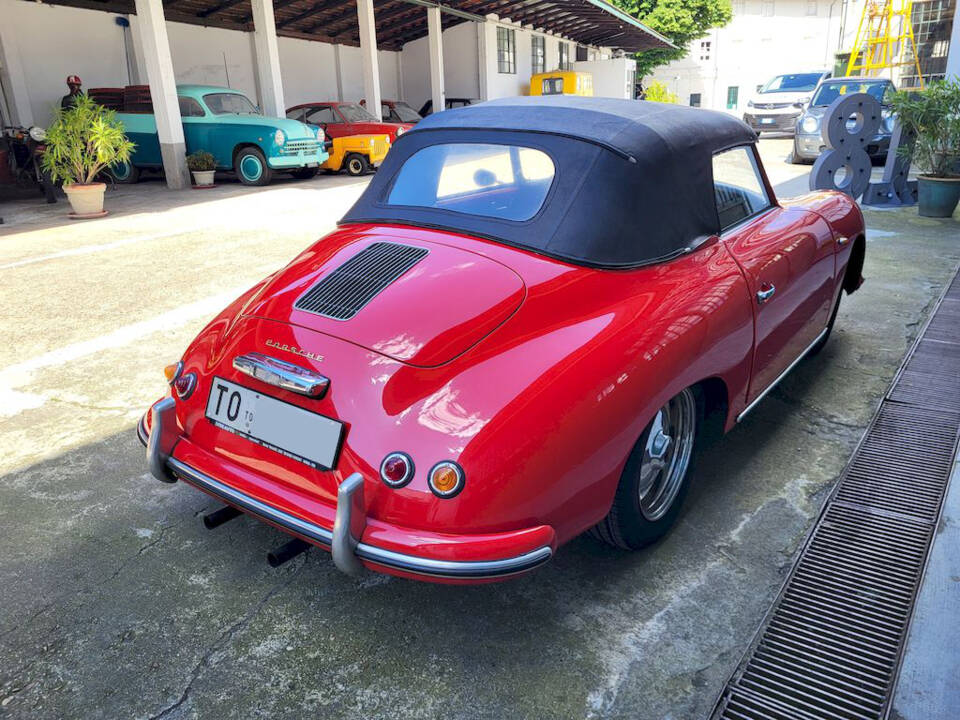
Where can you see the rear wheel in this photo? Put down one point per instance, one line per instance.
(655, 479)
(356, 164)
(251, 167)
(124, 173)
(305, 173)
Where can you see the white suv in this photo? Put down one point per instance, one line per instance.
(778, 104)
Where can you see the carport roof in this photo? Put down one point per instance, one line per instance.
(589, 22)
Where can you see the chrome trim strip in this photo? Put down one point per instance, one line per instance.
(282, 374)
(380, 556)
(782, 375)
(455, 568)
(348, 526)
(244, 501)
(142, 435)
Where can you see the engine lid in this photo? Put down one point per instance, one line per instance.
(419, 302)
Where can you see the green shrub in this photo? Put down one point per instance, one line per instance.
(657, 92)
(201, 160)
(934, 115)
(82, 141)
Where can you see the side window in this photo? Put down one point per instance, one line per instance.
(190, 107)
(296, 114)
(322, 116)
(737, 186)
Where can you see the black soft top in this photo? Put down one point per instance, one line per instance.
(633, 180)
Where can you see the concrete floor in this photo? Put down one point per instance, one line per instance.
(116, 603)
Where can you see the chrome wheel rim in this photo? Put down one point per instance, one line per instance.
(666, 455)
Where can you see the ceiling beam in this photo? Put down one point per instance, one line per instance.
(220, 7)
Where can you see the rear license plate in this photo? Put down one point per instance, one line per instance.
(306, 436)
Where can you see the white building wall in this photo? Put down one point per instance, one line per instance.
(799, 36)
(611, 78)
(55, 42)
(460, 65)
(67, 41)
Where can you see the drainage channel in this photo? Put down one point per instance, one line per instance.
(831, 644)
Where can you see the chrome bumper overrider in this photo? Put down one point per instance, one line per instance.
(342, 541)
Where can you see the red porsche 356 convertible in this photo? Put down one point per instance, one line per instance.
(519, 332)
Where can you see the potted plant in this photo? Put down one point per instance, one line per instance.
(934, 115)
(83, 141)
(203, 165)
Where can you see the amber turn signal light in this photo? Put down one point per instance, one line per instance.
(172, 372)
(446, 479)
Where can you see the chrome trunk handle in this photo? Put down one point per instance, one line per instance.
(282, 374)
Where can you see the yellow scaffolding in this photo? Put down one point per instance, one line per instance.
(884, 39)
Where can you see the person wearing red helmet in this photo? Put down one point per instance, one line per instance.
(68, 100)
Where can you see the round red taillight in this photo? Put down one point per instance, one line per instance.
(396, 470)
(185, 384)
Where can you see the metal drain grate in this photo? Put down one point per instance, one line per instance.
(830, 646)
(343, 293)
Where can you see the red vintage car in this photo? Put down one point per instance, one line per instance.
(521, 331)
(340, 119)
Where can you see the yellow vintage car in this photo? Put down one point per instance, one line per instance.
(562, 82)
(358, 154)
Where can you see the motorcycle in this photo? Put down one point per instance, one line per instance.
(25, 148)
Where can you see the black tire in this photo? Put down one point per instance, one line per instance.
(305, 173)
(356, 164)
(794, 157)
(627, 526)
(251, 167)
(125, 173)
(833, 318)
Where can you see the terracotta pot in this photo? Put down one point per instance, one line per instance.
(937, 196)
(86, 200)
(203, 178)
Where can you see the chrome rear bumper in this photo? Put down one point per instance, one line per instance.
(342, 541)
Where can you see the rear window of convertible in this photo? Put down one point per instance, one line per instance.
(508, 182)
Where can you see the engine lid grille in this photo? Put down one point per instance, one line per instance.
(344, 292)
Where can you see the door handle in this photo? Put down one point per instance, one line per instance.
(765, 293)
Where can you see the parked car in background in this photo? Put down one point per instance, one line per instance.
(808, 142)
(450, 103)
(357, 154)
(397, 111)
(225, 123)
(524, 329)
(779, 102)
(562, 82)
(339, 119)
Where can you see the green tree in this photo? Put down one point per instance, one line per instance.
(680, 21)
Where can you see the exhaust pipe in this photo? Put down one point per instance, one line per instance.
(282, 554)
(221, 516)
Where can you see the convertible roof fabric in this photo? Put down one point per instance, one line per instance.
(633, 180)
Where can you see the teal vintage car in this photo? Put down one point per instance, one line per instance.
(225, 123)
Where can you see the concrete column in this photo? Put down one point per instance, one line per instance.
(14, 78)
(339, 70)
(368, 51)
(435, 35)
(152, 30)
(953, 54)
(482, 70)
(267, 58)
